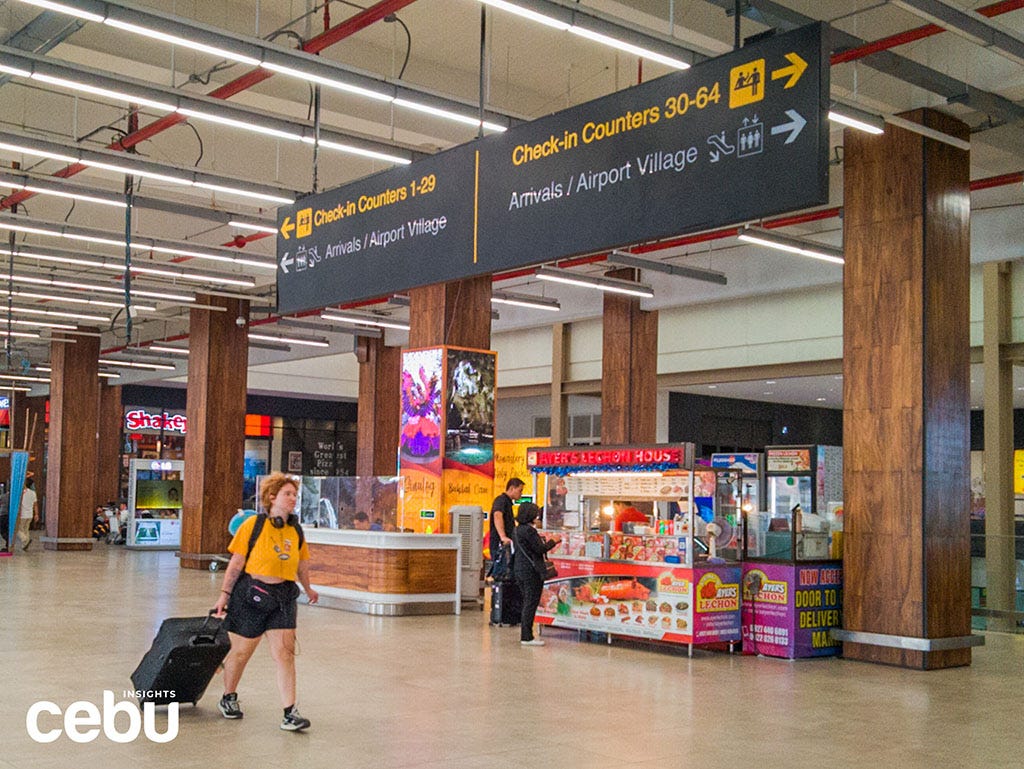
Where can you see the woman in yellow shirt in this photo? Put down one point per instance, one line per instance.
(259, 592)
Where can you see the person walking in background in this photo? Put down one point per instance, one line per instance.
(502, 517)
(29, 514)
(259, 592)
(528, 567)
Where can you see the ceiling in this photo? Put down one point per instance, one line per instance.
(530, 71)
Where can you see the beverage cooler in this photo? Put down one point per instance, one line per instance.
(792, 567)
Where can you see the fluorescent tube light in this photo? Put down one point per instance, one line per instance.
(59, 314)
(930, 133)
(447, 114)
(697, 273)
(856, 118)
(90, 158)
(530, 302)
(59, 231)
(142, 269)
(251, 226)
(586, 32)
(19, 334)
(79, 300)
(58, 283)
(611, 285)
(62, 8)
(302, 341)
(363, 320)
(23, 378)
(792, 245)
(136, 364)
(74, 85)
(373, 154)
(621, 45)
(164, 348)
(8, 70)
(223, 53)
(526, 13)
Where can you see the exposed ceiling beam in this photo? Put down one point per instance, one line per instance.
(79, 78)
(773, 14)
(970, 25)
(62, 187)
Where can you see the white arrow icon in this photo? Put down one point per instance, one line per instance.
(794, 126)
(285, 261)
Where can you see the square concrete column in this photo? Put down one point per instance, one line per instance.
(71, 462)
(218, 359)
(629, 368)
(906, 396)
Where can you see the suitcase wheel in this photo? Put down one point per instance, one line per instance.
(213, 567)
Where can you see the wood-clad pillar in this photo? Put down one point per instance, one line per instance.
(629, 368)
(215, 445)
(33, 412)
(111, 421)
(559, 400)
(377, 425)
(1000, 563)
(456, 313)
(74, 411)
(906, 394)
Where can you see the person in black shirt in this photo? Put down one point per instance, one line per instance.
(528, 567)
(502, 518)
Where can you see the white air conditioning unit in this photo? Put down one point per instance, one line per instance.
(468, 523)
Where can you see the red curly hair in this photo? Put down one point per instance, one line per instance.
(271, 485)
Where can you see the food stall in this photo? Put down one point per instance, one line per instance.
(662, 581)
(154, 503)
(792, 561)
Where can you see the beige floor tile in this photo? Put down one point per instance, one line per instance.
(429, 692)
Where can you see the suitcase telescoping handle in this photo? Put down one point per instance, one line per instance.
(206, 638)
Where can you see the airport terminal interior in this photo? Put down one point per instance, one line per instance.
(682, 229)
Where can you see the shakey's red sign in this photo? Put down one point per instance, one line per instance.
(636, 455)
(140, 419)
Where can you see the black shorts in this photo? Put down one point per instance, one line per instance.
(250, 622)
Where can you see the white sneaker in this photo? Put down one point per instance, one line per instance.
(534, 642)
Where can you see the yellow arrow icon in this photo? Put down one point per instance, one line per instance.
(287, 226)
(793, 71)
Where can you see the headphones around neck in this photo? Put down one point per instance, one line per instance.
(277, 523)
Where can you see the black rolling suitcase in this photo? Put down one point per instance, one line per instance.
(183, 658)
(506, 603)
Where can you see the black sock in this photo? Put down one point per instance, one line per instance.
(288, 710)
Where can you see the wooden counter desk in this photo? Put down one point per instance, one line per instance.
(385, 573)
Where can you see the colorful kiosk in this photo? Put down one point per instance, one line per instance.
(660, 581)
(792, 564)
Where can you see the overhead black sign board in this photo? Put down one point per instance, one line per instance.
(732, 139)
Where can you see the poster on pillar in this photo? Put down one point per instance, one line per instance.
(469, 427)
(421, 437)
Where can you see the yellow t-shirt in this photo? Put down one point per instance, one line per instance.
(276, 552)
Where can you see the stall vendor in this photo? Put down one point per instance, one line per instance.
(626, 513)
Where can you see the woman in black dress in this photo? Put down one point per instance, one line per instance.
(529, 568)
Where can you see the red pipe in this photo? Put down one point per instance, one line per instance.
(314, 45)
(919, 33)
(997, 181)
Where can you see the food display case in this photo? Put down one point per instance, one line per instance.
(739, 486)
(792, 567)
(154, 503)
(666, 580)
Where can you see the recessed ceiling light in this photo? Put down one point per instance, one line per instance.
(770, 381)
(769, 392)
(820, 399)
(714, 387)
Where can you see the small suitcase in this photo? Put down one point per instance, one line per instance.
(506, 603)
(182, 660)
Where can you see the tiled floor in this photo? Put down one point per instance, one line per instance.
(430, 692)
